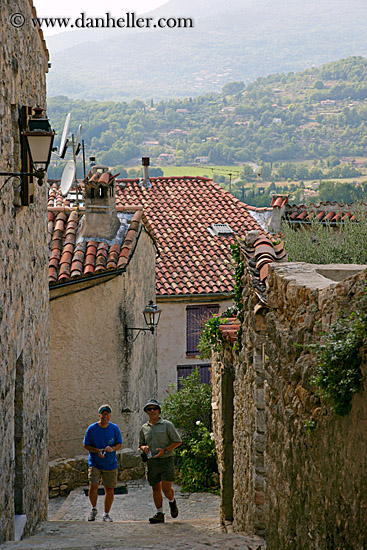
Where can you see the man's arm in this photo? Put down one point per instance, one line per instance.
(170, 447)
(92, 449)
(116, 447)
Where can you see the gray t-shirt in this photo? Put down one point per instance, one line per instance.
(159, 435)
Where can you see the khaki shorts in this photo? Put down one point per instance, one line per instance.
(161, 469)
(109, 477)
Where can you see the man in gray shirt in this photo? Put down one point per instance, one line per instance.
(157, 439)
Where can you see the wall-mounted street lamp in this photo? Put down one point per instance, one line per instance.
(36, 140)
(151, 314)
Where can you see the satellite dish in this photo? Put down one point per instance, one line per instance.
(64, 140)
(67, 177)
(77, 142)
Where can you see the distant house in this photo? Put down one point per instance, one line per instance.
(101, 277)
(177, 132)
(166, 158)
(201, 160)
(194, 221)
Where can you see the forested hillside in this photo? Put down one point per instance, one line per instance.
(314, 114)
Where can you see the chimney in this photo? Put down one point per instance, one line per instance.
(101, 219)
(145, 161)
(278, 205)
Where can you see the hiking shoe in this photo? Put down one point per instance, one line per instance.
(173, 508)
(92, 514)
(157, 518)
(106, 517)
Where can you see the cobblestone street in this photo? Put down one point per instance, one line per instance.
(196, 528)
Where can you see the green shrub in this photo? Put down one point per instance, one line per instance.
(190, 411)
(198, 465)
(188, 405)
(211, 337)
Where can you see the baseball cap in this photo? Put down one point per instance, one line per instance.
(105, 407)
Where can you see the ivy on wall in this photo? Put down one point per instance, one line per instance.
(239, 271)
(339, 357)
(211, 338)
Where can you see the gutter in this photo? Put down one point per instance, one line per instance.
(208, 297)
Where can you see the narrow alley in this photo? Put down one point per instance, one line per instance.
(197, 526)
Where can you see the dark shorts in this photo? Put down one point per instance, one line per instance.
(161, 469)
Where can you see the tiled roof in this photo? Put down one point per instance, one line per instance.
(179, 212)
(73, 257)
(260, 252)
(331, 212)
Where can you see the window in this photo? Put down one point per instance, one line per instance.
(220, 229)
(183, 371)
(196, 317)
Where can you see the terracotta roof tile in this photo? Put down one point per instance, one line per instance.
(229, 329)
(326, 212)
(72, 259)
(258, 264)
(178, 212)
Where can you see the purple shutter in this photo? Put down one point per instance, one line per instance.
(184, 370)
(196, 317)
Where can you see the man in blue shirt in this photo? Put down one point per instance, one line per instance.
(102, 440)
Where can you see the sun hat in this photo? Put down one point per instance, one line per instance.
(152, 402)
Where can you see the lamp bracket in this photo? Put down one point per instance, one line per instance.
(130, 338)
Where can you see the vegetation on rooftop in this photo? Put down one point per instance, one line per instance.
(325, 243)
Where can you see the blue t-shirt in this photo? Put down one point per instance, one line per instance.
(100, 438)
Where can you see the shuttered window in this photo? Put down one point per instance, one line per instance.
(196, 317)
(183, 371)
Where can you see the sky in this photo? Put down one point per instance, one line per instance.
(92, 8)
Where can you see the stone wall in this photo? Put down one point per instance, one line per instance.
(68, 474)
(316, 479)
(238, 384)
(24, 306)
(305, 486)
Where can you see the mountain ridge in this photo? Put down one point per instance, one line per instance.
(230, 41)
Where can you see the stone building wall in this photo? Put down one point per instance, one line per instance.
(90, 361)
(172, 337)
(24, 306)
(305, 487)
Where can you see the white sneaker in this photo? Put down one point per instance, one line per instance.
(106, 517)
(92, 514)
